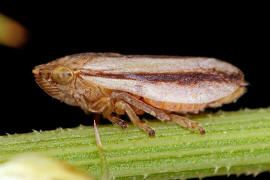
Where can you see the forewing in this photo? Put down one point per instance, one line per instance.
(169, 79)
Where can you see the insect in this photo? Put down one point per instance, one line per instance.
(165, 87)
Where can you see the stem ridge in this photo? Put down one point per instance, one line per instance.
(235, 143)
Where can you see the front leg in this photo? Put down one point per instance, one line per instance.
(105, 107)
(124, 107)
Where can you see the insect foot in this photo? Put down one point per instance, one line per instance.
(187, 123)
(119, 122)
(150, 131)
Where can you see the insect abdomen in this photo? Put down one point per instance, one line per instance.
(193, 107)
(176, 107)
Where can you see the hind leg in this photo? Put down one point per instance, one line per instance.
(187, 123)
(128, 98)
(158, 113)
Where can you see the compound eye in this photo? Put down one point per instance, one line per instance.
(62, 75)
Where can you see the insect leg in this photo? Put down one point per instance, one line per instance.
(135, 119)
(187, 123)
(107, 113)
(159, 114)
(118, 121)
(99, 105)
(141, 105)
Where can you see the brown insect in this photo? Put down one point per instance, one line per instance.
(163, 86)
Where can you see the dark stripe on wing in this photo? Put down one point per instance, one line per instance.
(183, 78)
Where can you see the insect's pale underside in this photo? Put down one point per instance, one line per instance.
(163, 86)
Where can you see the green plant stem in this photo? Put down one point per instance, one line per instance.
(235, 143)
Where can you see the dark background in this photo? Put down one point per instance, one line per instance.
(237, 34)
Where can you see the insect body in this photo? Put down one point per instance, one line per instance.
(163, 86)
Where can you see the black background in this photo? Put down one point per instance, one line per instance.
(237, 34)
